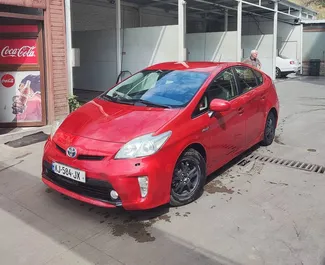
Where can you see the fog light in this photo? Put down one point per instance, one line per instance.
(143, 183)
(114, 195)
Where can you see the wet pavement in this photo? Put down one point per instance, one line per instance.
(251, 212)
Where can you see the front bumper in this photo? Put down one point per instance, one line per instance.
(108, 174)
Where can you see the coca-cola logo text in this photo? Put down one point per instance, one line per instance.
(24, 51)
(7, 80)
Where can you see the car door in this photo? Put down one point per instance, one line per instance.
(252, 93)
(224, 133)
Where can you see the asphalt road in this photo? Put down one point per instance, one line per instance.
(258, 213)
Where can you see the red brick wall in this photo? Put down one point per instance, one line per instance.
(26, 3)
(59, 58)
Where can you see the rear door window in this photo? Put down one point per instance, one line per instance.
(223, 86)
(246, 79)
(259, 77)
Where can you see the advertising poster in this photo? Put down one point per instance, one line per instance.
(20, 96)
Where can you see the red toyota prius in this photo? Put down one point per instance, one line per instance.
(154, 138)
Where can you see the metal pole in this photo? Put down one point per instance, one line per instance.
(239, 29)
(118, 37)
(181, 30)
(140, 17)
(275, 39)
(301, 45)
(67, 7)
(226, 20)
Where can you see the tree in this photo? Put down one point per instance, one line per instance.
(314, 2)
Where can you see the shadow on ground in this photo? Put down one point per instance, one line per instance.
(24, 197)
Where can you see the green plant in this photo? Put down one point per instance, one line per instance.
(73, 103)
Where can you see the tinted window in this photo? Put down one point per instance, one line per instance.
(259, 77)
(222, 87)
(246, 79)
(165, 87)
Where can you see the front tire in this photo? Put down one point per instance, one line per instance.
(278, 73)
(188, 179)
(269, 130)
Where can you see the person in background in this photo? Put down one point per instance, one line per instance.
(253, 60)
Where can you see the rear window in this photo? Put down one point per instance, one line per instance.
(246, 79)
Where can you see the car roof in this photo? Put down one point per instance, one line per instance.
(194, 66)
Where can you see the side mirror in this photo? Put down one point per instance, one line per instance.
(219, 105)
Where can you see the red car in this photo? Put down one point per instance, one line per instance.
(155, 137)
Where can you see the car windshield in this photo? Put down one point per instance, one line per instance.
(162, 88)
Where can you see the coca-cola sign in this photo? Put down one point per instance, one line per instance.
(18, 51)
(7, 80)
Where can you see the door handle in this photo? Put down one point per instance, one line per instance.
(240, 110)
(205, 129)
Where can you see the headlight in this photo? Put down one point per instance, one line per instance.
(142, 146)
(55, 126)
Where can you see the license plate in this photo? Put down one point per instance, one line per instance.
(69, 172)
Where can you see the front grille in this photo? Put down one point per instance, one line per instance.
(82, 157)
(90, 157)
(93, 188)
(60, 149)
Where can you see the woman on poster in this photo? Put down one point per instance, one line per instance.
(27, 104)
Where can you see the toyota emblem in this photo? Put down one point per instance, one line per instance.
(71, 152)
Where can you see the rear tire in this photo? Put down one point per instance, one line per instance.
(189, 178)
(269, 130)
(278, 73)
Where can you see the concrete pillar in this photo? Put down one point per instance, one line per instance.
(239, 30)
(67, 7)
(118, 37)
(301, 45)
(181, 30)
(275, 39)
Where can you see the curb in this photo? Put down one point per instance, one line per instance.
(24, 132)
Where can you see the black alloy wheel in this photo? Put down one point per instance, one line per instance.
(188, 179)
(269, 131)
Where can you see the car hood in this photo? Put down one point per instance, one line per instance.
(111, 122)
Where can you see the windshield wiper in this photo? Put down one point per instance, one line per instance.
(117, 100)
(149, 103)
(133, 101)
(107, 97)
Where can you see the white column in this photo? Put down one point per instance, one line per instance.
(181, 30)
(226, 20)
(239, 29)
(301, 45)
(67, 7)
(118, 37)
(275, 39)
